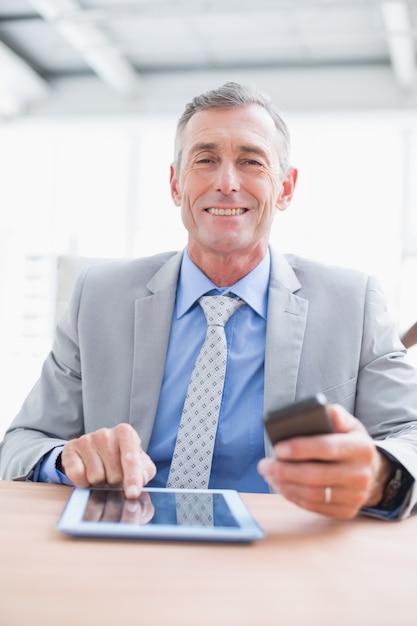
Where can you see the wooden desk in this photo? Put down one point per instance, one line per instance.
(309, 571)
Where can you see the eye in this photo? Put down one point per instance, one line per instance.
(253, 163)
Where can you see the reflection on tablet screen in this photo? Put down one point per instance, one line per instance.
(163, 508)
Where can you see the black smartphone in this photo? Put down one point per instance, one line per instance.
(299, 419)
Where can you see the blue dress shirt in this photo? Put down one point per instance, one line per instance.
(239, 441)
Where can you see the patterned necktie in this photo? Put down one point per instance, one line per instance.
(193, 453)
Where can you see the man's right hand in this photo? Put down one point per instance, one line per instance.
(109, 456)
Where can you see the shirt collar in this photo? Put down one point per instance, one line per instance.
(252, 288)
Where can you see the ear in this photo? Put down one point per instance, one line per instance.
(175, 190)
(287, 191)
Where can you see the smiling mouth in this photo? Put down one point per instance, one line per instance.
(217, 211)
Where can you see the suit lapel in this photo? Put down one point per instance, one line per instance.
(153, 314)
(286, 322)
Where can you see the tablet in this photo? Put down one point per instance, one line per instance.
(217, 515)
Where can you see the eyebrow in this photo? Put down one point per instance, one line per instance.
(250, 149)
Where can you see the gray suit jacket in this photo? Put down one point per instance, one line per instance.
(327, 330)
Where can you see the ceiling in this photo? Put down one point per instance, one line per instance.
(85, 55)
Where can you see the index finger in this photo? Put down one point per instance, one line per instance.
(131, 457)
(311, 448)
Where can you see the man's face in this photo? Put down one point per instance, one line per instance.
(230, 184)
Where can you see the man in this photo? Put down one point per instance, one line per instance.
(108, 405)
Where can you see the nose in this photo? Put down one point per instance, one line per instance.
(227, 179)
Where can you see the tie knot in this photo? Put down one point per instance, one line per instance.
(218, 309)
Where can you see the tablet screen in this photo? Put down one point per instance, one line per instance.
(167, 514)
(159, 507)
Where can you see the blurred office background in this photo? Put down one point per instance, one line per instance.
(90, 92)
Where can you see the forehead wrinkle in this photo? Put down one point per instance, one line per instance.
(203, 145)
(246, 148)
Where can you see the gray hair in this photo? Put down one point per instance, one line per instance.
(233, 95)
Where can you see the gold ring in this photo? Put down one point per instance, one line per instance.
(328, 495)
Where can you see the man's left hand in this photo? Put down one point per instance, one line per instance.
(336, 474)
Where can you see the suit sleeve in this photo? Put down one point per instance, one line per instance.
(386, 397)
(53, 411)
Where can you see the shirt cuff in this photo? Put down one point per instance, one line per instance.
(46, 471)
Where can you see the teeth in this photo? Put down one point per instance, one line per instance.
(216, 211)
